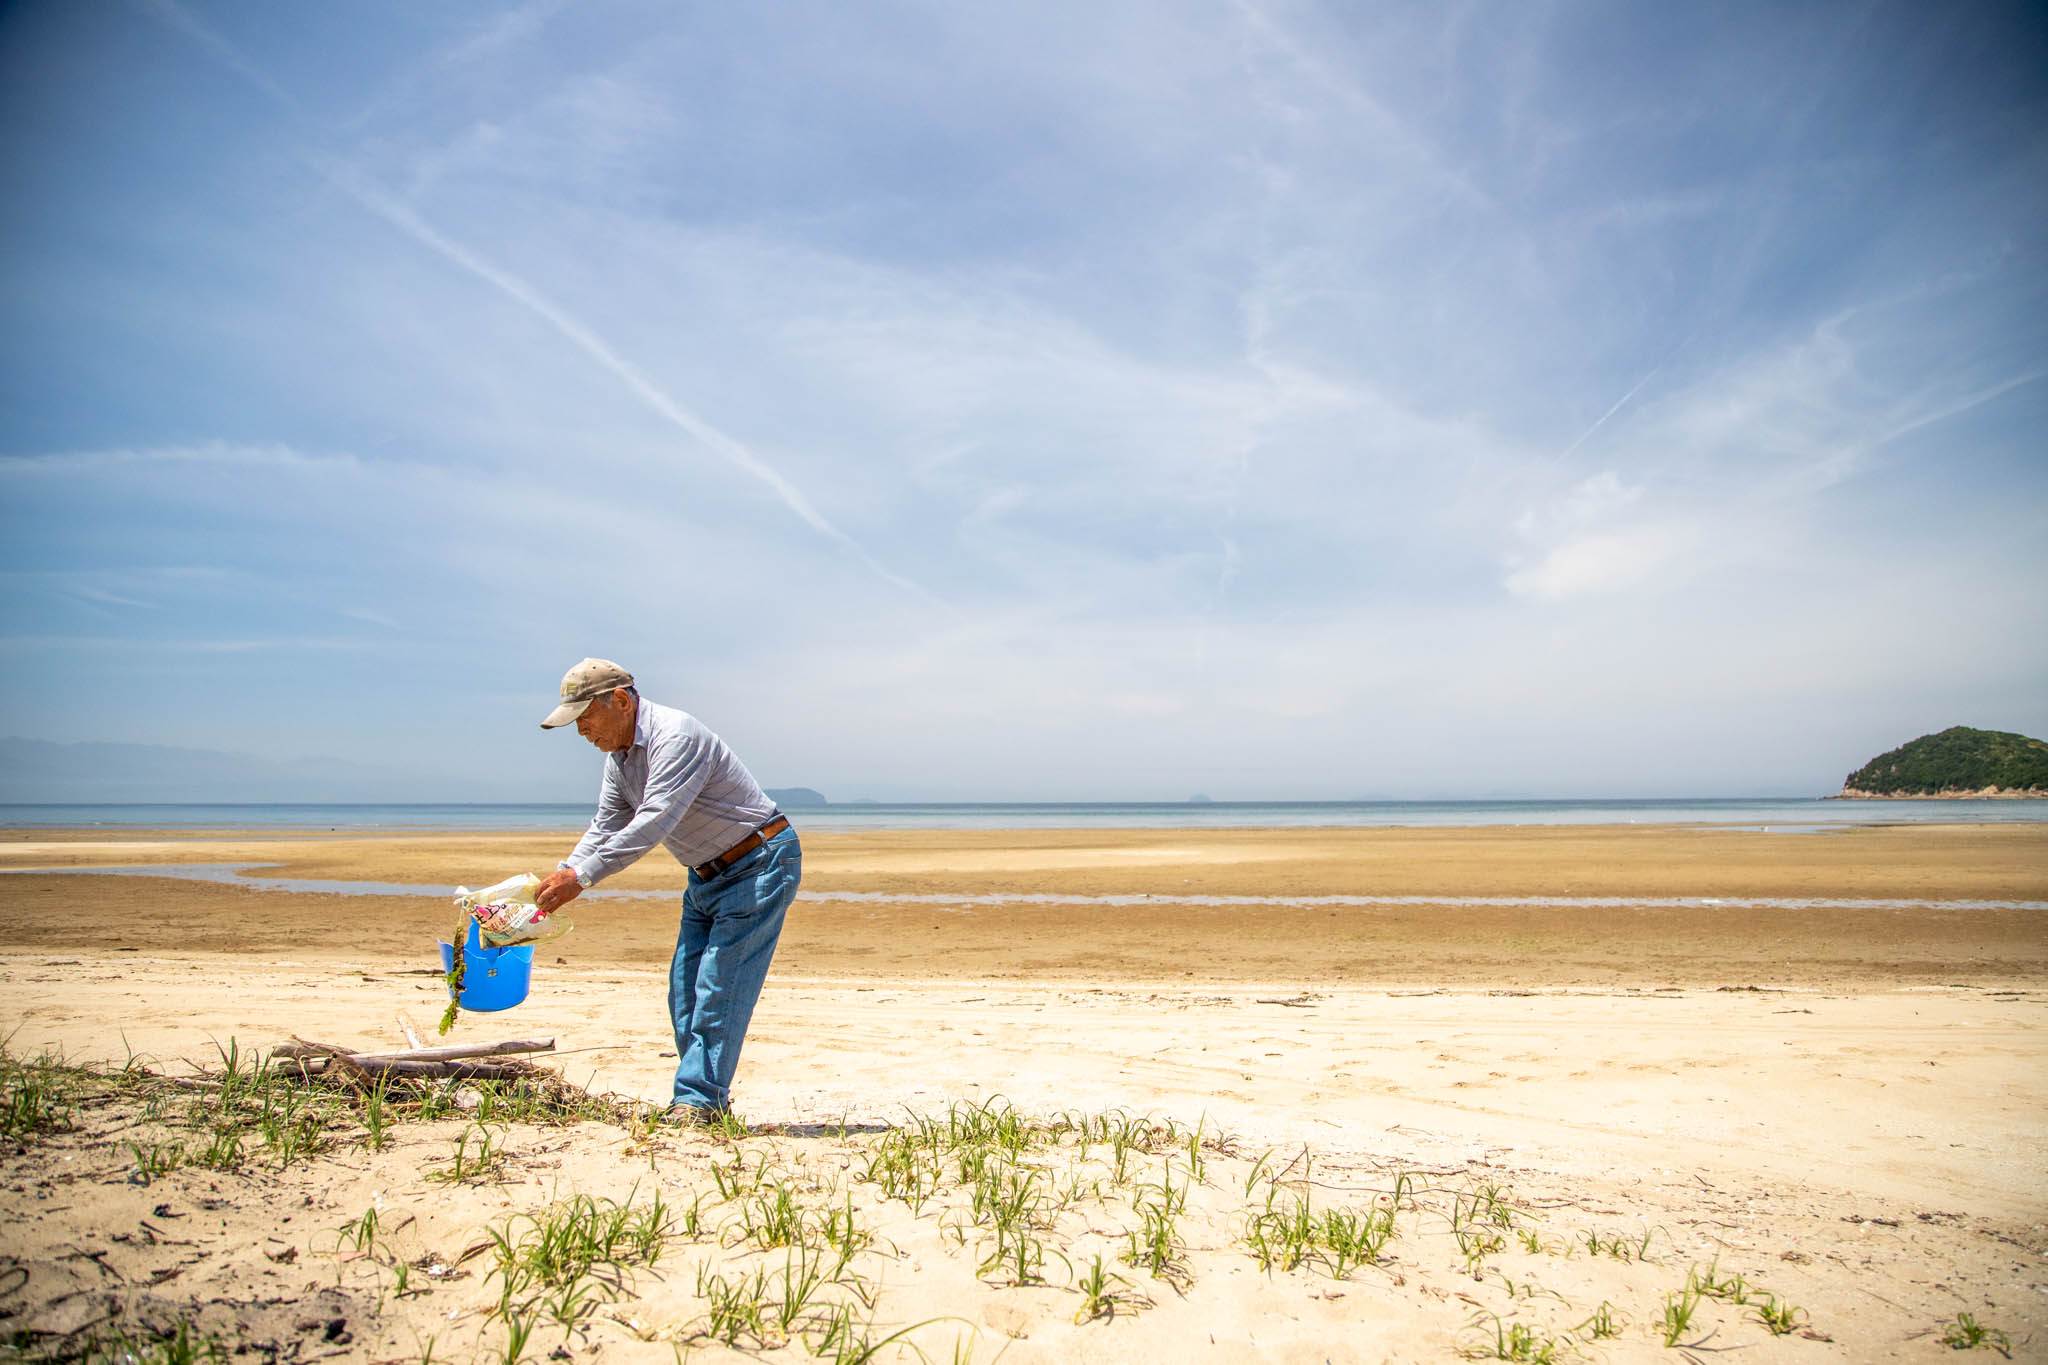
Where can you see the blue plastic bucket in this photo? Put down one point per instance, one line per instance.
(492, 978)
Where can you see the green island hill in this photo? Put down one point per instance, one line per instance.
(1957, 762)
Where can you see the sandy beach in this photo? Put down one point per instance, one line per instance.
(1665, 1056)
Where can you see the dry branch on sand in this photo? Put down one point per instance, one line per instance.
(456, 1061)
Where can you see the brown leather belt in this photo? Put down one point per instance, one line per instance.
(707, 870)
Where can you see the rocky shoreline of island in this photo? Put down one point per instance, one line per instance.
(1953, 794)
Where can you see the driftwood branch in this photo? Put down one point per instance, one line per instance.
(454, 1052)
(298, 1049)
(454, 1061)
(369, 1068)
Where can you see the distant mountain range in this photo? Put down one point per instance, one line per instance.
(1958, 761)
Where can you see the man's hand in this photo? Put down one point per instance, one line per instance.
(557, 890)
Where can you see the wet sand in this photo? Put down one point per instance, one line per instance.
(1163, 925)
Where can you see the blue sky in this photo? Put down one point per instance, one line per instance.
(1094, 401)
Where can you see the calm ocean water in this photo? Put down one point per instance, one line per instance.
(1790, 813)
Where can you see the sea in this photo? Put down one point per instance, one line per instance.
(1776, 814)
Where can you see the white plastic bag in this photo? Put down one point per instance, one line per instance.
(506, 913)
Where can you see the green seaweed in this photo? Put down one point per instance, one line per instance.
(454, 976)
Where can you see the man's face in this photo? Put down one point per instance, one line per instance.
(608, 721)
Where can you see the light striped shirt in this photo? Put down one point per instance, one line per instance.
(677, 784)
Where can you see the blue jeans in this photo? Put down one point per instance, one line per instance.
(730, 926)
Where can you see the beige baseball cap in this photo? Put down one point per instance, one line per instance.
(582, 685)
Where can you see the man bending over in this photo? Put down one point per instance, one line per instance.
(669, 780)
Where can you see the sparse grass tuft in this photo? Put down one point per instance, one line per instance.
(224, 1153)
(1016, 1256)
(518, 1328)
(361, 1232)
(1098, 1299)
(1603, 1324)
(1782, 1319)
(736, 1179)
(771, 1217)
(156, 1158)
(1518, 1341)
(1728, 1289)
(573, 1256)
(484, 1160)
(377, 1114)
(1967, 1334)
(36, 1097)
(1678, 1312)
(843, 1233)
(902, 1170)
(728, 1125)
(1618, 1247)
(1290, 1235)
(182, 1345)
(735, 1309)
(844, 1341)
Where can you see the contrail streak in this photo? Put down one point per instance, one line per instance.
(594, 346)
(1588, 432)
(357, 187)
(219, 48)
(1962, 405)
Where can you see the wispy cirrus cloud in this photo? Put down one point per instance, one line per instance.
(366, 193)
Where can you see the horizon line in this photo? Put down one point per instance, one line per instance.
(864, 803)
